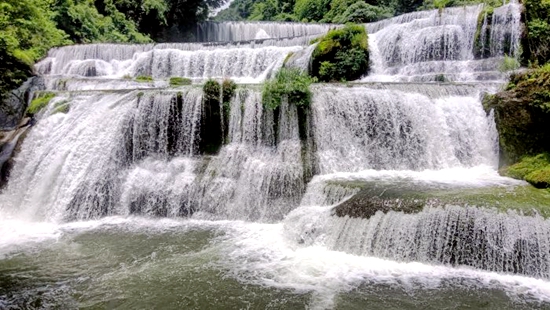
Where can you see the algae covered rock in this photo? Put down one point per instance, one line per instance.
(533, 169)
(522, 115)
(341, 55)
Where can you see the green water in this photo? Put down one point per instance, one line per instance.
(191, 267)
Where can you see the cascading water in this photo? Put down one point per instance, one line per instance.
(441, 45)
(164, 61)
(245, 31)
(327, 206)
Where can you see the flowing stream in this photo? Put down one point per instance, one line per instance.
(116, 199)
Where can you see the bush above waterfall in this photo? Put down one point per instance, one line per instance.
(292, 84)
(342, 54)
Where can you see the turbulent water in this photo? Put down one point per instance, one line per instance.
(118, 199)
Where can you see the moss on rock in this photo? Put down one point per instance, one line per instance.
(533, 169)
(522, 115)
(341, 55)
(179, 81)
(409, 198)
(40, 102)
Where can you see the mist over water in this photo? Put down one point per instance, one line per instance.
(116, 204)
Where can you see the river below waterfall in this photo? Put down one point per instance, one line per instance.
(384, 194)
(137, 263)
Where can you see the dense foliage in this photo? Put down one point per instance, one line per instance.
(216, 112)
(534, 87)
(536, 43)
(288, 84)
(326, 11)
(342, 54)
(333, 11)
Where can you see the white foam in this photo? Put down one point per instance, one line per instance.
(478, 176)
(260, 250)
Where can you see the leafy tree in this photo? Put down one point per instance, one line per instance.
(361, 12)
(266, 10)
(311, 10)
(26, 29)
(84, 24)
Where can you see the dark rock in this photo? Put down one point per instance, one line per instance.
(8, 151)
(373, 198)
(522, 115)
(12, 109)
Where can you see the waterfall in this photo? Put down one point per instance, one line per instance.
(480, 238)
(506, 30)
(110, 145)
(439, 45)
(248, 63)
(361, 128)
(245, 31)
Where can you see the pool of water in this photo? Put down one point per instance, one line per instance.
(139, 263)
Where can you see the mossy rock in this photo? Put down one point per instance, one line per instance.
(144, 79)
(179, 81)
(533, 169)
(539, 178)
(522, 115)
(341, 55)
(410, 198)
(40, 102)
(61, 107)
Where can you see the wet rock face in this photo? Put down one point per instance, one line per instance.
(370, 197)
(13, 107)
(522, 114)
(373, 198)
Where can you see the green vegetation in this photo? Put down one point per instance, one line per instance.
(144, 78)
(40, 102)
(289, 84)
(440, 4)
(61, 107)
(408, 197)
(536, 42)
(509, 64)
(228, 90)
(522, 114)
(533, 86)
(326, 11)
(211, 89)
(334, 11)
(341, 55)
(533, 169)
(441, 78)
(179, 81)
